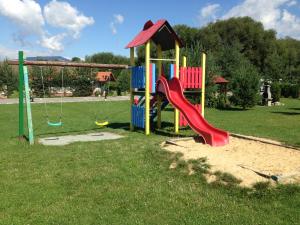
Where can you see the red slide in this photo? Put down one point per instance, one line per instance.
(174, 92)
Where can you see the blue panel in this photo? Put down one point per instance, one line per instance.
(138, 77)
(153, 78)
(138, 116)
(171, 71)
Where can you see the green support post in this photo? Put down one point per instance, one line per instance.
(28, 107)
(21, 95)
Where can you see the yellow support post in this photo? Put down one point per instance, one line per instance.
(131, 91)
(176, 112)
(159, 64)
(203, 65)
(184, 61)
(147, 90)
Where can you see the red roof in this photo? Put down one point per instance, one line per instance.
(105, 76)
(220, 80)
(160, 33)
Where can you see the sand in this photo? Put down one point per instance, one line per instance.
(241, 156)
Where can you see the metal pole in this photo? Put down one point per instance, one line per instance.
(131, 91)
(203, 65)
(176, 112)
(159, 65)
(147, 89)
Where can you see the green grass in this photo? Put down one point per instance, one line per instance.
(128, 181)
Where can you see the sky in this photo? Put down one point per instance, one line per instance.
(78, 28)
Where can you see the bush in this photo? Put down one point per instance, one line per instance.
(276, 92)
(294, 91)
(245, 86)
(290, 90)
(8, 79)
(123, 81)
(222, 101)
(82, 86)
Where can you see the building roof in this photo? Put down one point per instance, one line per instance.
(105, 76)
(220, 80)
(161, 33)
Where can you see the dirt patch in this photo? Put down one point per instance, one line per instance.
(249, 160)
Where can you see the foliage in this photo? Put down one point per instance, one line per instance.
(8, 78)
(245, 85)
(290, 90)
(82, 82)
(273, 58)
(123, 83)
(76, 59)
(275, 91)
(40, 80)
(222, 102)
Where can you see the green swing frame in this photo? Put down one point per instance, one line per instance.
(24, 91)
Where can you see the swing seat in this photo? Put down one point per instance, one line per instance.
(101, 124)
(52, 124)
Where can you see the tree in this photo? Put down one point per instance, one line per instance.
(123, 82)
(275, 92)
(245, 85)
(76, 59)
(8, 78)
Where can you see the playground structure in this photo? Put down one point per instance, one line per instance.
(151, 90)
(151, 93)
(24, 88)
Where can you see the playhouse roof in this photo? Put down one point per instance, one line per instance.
(160, 33)
(220, 80)
(105, 76)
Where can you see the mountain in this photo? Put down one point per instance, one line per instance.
(47, 58)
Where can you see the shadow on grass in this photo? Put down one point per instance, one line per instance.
(288, 113)
(168, 109)
(123, 126)
(167, 130)
(294, 109)
(233, 109)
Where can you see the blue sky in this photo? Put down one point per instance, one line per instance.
(79, 28)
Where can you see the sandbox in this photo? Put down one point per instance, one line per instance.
(249, 159)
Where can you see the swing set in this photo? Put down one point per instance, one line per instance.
(24, 88)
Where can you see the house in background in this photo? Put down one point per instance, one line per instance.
(222, 82)
(104, 77)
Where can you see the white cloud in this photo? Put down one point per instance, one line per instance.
(31, 22)
(208, 13)
(292, 3)
(27, 14)
(118, 20)
(209, 10)
(63, 15)
(265, 11)
(273, 15)
(53, 43)
(11, 53)
(289, 25)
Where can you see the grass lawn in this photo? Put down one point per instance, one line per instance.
(128, 181)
